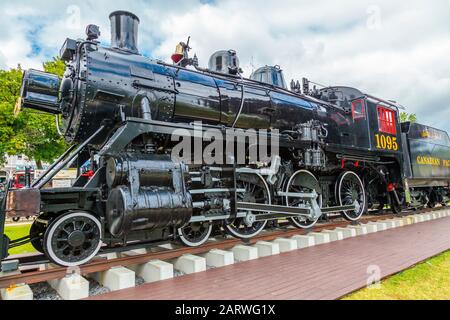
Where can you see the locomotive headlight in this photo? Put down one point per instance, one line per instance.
(39, 91)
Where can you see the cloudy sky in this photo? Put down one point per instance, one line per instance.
(397, 50)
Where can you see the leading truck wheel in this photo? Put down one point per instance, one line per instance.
(195, 234)
(73, 239)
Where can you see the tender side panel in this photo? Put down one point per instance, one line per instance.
(429, 152)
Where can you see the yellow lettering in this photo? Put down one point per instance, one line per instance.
(429, 161)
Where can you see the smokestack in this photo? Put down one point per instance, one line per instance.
(124, 31)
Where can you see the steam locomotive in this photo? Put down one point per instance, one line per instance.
(338, 151)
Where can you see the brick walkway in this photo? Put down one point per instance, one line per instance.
(327, 271)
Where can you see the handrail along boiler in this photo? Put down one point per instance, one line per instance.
(340, 150)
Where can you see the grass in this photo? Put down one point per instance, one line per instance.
(429, 280)
(19, 231)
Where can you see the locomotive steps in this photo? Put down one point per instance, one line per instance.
(120, 271)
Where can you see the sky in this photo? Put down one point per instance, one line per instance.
(397, 50)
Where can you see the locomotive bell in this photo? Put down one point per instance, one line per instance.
(124, 31)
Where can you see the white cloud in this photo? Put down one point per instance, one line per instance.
(396, 50)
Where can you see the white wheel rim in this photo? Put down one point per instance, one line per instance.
(287, 201)
(49, 247)
(195, 244)
(243, 236)
(363, 191)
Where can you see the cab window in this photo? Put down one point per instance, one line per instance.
(358, 110)
(386, 120)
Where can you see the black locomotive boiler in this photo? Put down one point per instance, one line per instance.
(339, 150)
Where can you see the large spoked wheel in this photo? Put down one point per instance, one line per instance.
(302, 181)
(349, 189)
(256, 191)
(195, 234)
(72, 239)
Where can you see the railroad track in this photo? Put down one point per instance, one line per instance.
(30, 275)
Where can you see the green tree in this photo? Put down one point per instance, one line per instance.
(31, 132)
(55, 66)
(405, 117)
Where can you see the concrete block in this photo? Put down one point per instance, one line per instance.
(244, 253)
(286, 244)
(267, 248)
(304, 241)
(347, 232)
(391, 224)
(399, 222)
(219, 258)
(371, 227)
(116, 278)
(135, 252)
(419, 217)
(360, 230)
(319, 237)
(71, 287)
(154, 270)
(170, 246)
(335, 235)
(381, 226)
(189, 263)
(17, 292)
(110, 255)
(416, 218)
(410, 220)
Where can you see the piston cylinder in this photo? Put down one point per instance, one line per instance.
(153, 170)
(147, 210)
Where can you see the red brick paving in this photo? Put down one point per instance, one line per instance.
(327, 271)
